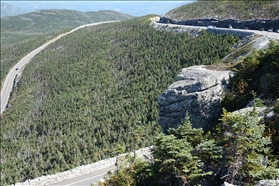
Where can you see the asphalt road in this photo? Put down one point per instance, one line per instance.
(85, 180)
(273, 35)
(9, 81)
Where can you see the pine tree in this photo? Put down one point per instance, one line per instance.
(246, 150)
(185, 152)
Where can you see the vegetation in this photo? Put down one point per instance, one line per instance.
(241, 150)
(23, 33)
(257, 77)
(11, 54)
(242, 10)
(238, 153)
(239, 52)
(246, 150)
(256, 74)
(94, 89)
(18, 28)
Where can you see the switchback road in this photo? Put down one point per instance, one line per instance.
(7, 86)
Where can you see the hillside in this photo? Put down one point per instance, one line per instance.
(221, 10)
(235, 151)
(93, 90)
(30, 25)
(23, 33)
(8, 9)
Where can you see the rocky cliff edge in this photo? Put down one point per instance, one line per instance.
(197, 91)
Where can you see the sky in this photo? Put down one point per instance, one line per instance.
(135, 8)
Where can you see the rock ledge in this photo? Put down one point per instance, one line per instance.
(198, 91)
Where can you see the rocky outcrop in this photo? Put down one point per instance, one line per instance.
(260, 183)
(198, 92)
(240, 24)
(268, 183)
(265, 113)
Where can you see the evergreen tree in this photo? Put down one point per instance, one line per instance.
(247, 153)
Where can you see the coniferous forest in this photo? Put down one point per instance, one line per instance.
(241, 149)
(92, 90)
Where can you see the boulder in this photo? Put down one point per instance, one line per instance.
(268, 183)
(197, 91)
(265, 113)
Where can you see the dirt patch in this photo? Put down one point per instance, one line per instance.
(217, 67)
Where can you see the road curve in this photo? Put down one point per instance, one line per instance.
(86, 180)
(272, 35)
(7, 86)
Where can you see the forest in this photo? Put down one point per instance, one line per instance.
(92, 90)
(220, 10)
(240, 150)
(24, 33)
(34, 24)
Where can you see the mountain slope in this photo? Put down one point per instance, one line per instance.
(23, 33)
(8, 9)
(220, 10)
(17, 28)
(94, 89)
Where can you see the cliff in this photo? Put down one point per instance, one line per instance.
(197, 92)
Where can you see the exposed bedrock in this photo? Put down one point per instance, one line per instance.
(197, 91)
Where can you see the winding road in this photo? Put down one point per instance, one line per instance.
(86, 180)
(9, 82)
(7, 86)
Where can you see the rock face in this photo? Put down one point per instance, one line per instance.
(268, 183)
(239, 24)
(198, 91)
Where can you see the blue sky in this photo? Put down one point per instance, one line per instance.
(135, 8)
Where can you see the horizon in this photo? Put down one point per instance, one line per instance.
(134, 8)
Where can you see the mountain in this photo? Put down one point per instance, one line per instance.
(96, 90)
(8, 9)
(220, 10)
(135, 8)
(23, 33)
(17, 28)
(93, 90)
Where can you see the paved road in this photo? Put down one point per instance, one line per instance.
(273, 35)
(85, 180)
(9, 81)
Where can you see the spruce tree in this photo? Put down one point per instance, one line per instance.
(246, 151)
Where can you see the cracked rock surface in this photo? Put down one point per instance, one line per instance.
(197, 91)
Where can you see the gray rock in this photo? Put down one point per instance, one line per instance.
(268, 183)
(265, 113)
(227, 184)
(197, 91)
